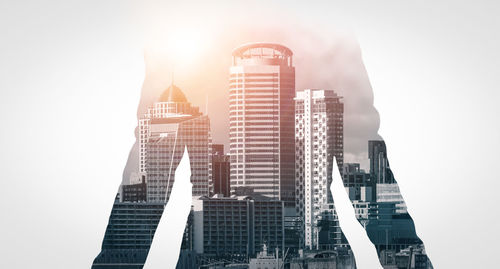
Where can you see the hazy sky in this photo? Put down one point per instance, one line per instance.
(330, 62)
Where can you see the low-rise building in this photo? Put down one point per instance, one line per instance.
(237, 226)
(265, 260)
(389, 230)
(341, 258)
(390, 193)
(129, 234)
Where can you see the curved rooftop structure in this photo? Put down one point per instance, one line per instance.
(262, 53)
(173, 94)
(239, 51)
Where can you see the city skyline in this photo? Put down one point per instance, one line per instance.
(334, 63)
(279, 171)
(83, 73)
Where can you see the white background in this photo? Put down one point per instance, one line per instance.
(70, 79)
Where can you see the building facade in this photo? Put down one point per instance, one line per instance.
(379, 164)
(358, 183)
(261, 119)
(266, 260)
(318, 138)
(134, 192)
(390, 193)
(237, 226)
(390, 230)
(169, 126)
(129, 234)
(220, 171)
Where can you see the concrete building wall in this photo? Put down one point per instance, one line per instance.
(318, 138)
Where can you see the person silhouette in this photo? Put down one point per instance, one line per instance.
(308, 127)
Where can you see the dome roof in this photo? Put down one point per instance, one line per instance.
(173, 94)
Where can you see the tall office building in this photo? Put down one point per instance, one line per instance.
(168, 126)
(319, 121)
(220, 171)
(261, 118)
(379, 165)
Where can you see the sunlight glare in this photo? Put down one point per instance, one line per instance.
(185, 46)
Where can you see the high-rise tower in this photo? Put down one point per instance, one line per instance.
(379, 164)
(220, 171)
(319, 121)
(261, 119)
(169, 125)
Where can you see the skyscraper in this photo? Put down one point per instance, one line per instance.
(261, 119)
(220, 170)
(319, 121)
(169, 125)
(379, 165)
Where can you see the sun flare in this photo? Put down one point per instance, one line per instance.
(181, 46)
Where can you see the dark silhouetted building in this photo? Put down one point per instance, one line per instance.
(359, 184)
(389, 230)
(134, 192)
(379, 165)
(220, 171)
(129, 235)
